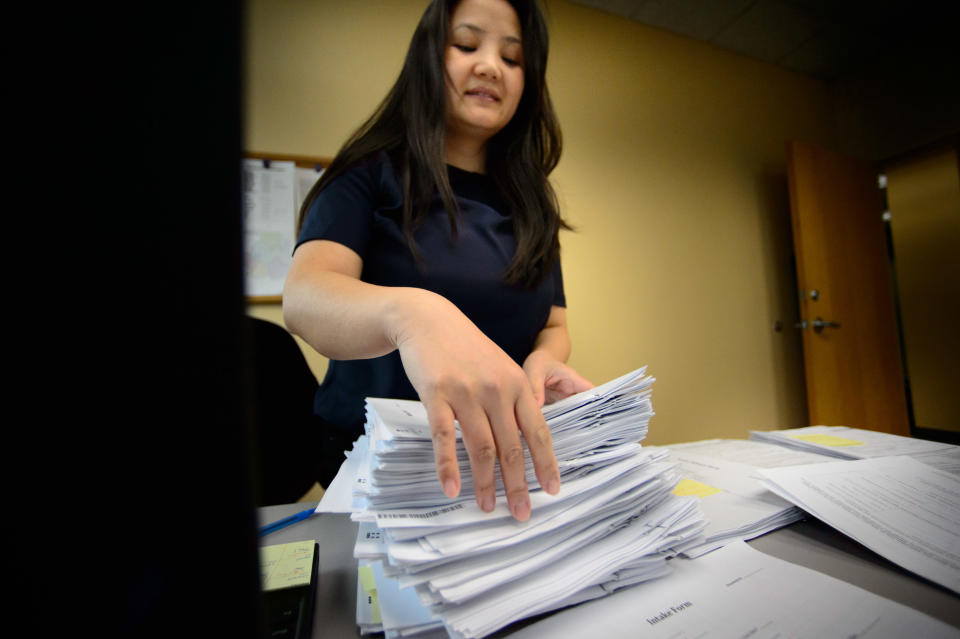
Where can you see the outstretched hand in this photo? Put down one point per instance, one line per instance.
(460, 374)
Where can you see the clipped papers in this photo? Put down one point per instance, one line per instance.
(613, 524)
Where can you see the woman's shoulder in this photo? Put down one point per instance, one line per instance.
(373, 175)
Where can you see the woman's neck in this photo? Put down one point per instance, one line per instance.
(467, 154)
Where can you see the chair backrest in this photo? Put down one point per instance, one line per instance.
(283, 388)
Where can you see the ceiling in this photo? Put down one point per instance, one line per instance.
(826, 39)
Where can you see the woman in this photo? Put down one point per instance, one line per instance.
(427, 264)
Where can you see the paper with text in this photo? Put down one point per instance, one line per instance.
(286, 565)
(898, 507)
(739, 592)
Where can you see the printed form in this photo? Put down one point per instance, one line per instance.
(902, 509)
(737, 591)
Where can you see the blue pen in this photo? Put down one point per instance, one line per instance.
(286, 521)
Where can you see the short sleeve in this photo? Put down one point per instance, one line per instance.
(559, 297)
(343, 211)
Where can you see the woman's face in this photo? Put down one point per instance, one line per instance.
(484, 63)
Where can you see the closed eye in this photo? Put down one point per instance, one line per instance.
(465, 48)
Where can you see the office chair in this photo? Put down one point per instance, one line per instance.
(287, 436)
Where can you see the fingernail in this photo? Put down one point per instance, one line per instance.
(521, 510)
(489, 502)
(450, 488)
(553, 486)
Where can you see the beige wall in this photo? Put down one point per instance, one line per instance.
(673, 174)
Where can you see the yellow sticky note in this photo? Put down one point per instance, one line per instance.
(369, 585)
(827, 440)
(286, 565)
(687, 487)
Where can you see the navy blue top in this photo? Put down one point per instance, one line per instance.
(362, 209)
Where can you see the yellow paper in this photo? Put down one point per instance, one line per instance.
(686, 487)
(286, 565)
(827, 440)
(365, 575)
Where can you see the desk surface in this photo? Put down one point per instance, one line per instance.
(809, 543)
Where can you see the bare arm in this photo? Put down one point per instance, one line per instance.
(455, 369)
(326, 304)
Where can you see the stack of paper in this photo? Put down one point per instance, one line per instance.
(898, 507)
(614, 522)
(383, 607)
(722, 474)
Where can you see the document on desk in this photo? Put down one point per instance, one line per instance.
(736, 504)
(847, 443)
(739, 592)
(947, 459)
(754, 453)
(902, 509)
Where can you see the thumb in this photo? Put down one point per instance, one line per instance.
(537, 378)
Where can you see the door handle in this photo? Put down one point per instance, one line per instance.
(820, 324)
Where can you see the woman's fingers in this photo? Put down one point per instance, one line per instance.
(482, 450)
(444, 436)
(461, 375)
(510, 453)
(540, 442)
(562, 382)
(491, 423)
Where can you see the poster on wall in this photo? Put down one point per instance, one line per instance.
(272, 194)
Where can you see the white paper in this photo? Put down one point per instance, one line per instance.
(304, 181)
(338, 496)
(744, 451)
(400, 609)
(847, 443)
(947, 459)
(722, 474)
(590, 565)
(464, 512)
(739, 592)
(898, 507)
(269, 225)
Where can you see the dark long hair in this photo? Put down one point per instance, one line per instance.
(410, 125)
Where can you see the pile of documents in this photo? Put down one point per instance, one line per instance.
(723, 475)
(614, 522)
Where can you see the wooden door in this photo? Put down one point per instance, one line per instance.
(851, 350)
